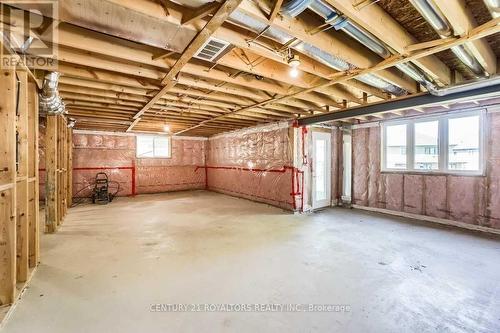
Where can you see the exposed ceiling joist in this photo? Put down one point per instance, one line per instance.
(275, 10)
(462, 20)
(486, 29)
(374, 19)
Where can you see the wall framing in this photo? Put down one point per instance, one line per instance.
(19, 218)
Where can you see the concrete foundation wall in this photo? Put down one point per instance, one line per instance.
(468, 199)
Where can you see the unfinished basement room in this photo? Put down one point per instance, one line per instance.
(250, 166)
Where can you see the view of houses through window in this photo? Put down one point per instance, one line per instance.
(417, 144)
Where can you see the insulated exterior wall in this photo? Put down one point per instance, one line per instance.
(468, 199)
(256, 164)
(116, 156)
(41, 159)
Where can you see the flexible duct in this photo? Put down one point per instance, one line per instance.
(339, 22)
(493, 7)
(440, 24)
(430, 12)
(241, 19)
(50, 101)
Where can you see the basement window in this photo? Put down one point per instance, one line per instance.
(153, 146)
(451, 143)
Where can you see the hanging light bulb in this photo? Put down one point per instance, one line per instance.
(294, 63)
(166, 128)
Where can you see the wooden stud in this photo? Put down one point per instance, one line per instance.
(22, 228)
(7, 186)
(69, 166)
(33, 174)
(51, 179)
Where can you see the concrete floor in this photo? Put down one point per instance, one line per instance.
(106, 266)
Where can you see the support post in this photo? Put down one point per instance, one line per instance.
(69, 195)
(33, 176)
(7, 186)
(22, 177)
(51, 178)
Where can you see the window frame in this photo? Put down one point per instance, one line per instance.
(443, 150)
(169, 139)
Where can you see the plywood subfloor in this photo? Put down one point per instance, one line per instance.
(108, 265)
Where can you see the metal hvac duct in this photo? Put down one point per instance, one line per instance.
(440, 24)
(493, 7)
(50, 101)
(465, 86)
(241, 19)
(340, 22)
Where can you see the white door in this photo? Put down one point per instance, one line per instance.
(321, 170)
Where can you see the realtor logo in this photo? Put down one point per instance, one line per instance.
(28, 33)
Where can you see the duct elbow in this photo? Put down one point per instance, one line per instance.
(49, 99)
(295, 7)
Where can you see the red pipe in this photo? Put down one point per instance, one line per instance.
(304, 155)
(110, 168)
(282, 170)
(294, 204)
(206, 177)
(133, 178)
(295, 183)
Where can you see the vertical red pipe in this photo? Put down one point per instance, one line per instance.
(293, 188)
(206, 178)
(133, 178)
(302, 196)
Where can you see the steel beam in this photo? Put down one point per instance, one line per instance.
(402, 104)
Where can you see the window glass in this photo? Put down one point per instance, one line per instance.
(463, 143)
(145, 146)
(395, 150)
(161, 146)
(153, 146)
(426, 146)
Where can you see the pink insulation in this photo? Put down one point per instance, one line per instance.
(463, 199)
(373, 166)
(414, 187)
(366, 158)
(468, 199)
(180, 172)
(492, 207)
(336, 143)
(41, 160)
(256, 164)
(360, 160)
(112, 154)
(434, 203)
(393, 191)
(116, 155)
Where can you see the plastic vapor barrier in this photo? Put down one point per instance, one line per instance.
(469, 199)
(256, 164)
(115, 155)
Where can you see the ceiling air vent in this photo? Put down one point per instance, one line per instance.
(211, 49)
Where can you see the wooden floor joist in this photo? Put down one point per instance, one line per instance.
(169, 80)
(250, 77)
